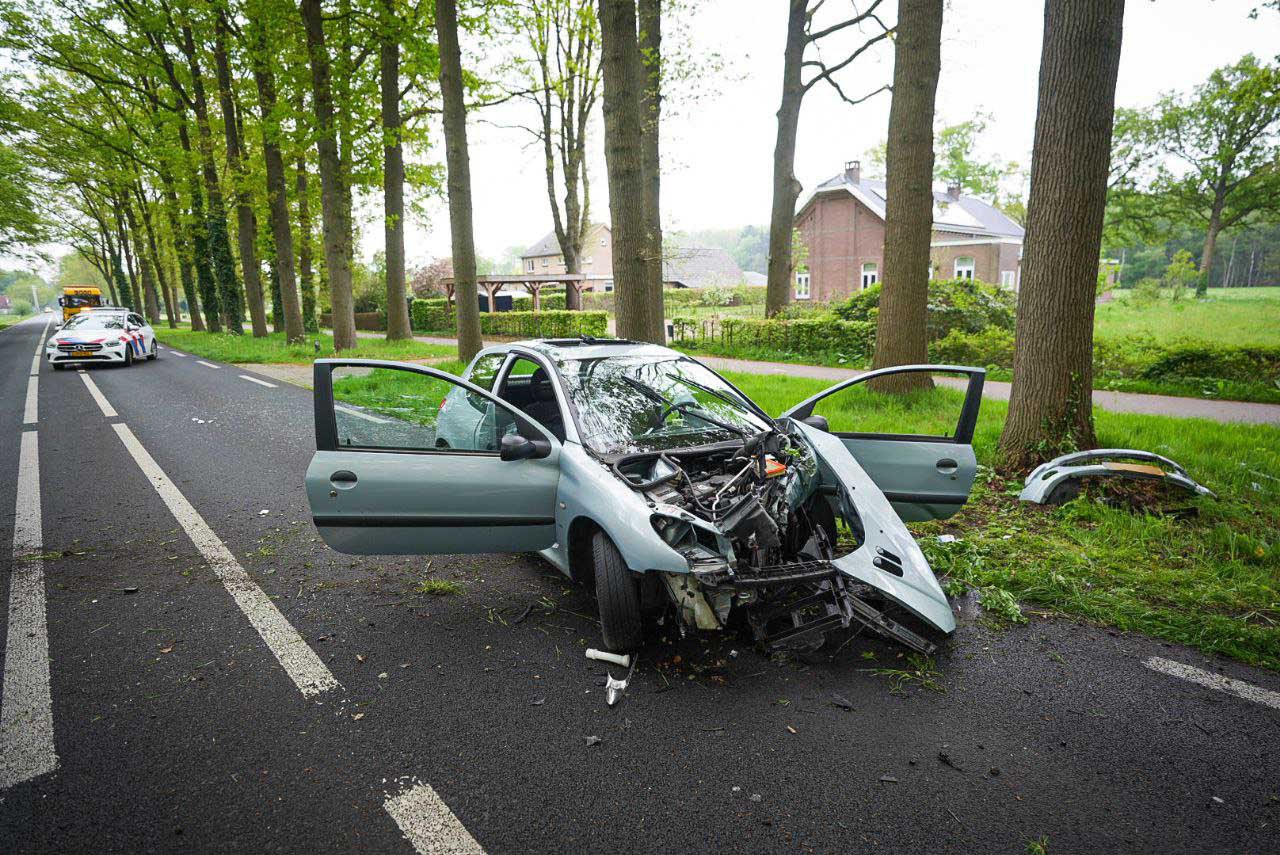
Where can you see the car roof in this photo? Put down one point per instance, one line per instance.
(593, 348)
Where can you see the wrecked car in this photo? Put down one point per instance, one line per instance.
(639, 471)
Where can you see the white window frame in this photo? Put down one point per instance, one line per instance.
(529, 266)
(965, 271)
(1008, 278)
(546, 262)
(872, 276)
(803, 285)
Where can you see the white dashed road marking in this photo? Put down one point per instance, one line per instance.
(174, 352)
(1239, 688)
(98, 398)
(205, 364)
(256, 380)
(298, 660)
(26, 710)
(358, 414)
(30, 410)
(429, 825)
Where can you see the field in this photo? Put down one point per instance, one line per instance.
(1244, 317)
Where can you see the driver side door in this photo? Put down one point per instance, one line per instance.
(384, 480)
(916, 446)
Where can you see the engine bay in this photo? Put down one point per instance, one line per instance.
(758, 525)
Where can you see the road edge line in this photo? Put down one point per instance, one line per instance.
(1200, 677)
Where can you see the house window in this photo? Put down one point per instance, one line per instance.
(604, 241)
(964, 267)
(608, 286)
(1007, 278)
(587, 260)
(870, 274)
(802, 286)
(545, 262)
(528, 265)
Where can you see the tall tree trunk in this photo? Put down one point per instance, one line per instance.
(650, 42)
(624, 77)
(786, 189)
(335, 214)
(1051, 404)
(459, 162)
(306, 281)
(150, 301)
(1210, 245)
(230, 303)
(170, 307)
(285, 302)
(901, 337)
(206, 283)
(246, 227)
(392, 172)
(133, 294)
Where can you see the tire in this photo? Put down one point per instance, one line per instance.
(128, 356)
(618, 597)
(155, 350)
(58, 366)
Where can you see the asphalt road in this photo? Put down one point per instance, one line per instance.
(180, 722)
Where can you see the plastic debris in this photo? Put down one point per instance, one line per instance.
(947, 538)
(263, 512)
(593, 740)
(842, 702)
(888, 779)
(604, 656)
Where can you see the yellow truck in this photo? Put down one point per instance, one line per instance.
(76, 298)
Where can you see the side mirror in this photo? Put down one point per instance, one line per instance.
(819, 422)
(516, 447)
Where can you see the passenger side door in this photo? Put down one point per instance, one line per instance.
(383, 482)
(917, 446)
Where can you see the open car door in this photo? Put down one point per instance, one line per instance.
(918, 446)
(411, 460)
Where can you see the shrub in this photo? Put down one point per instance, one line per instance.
(954, 304)
(821, 337)
(432, 315)
(861, 305)
(992, 347)
(676, 298)
(544, 324)
(1199, 361)
(555, 301)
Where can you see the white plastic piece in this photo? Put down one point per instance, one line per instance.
(604, 656)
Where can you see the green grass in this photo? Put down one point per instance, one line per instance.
(9, 320)
(438, 587)
(1210, 580)
(1227, 316)
(274, 349)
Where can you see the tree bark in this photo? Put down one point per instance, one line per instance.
(624, 77)
(206, 283)
(306, 280)
(1210, 246)
(286, 302)
(335, 214)
(229, 303)
(150, 301)
(392, 172)
(246, 225)
(650, 39)
(458, 160)
(153, 252)
(901, 335)
(786, 189)
(1051, 404)
(182, 248)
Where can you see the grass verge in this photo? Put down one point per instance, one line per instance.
(274, 349)
(1201, 572)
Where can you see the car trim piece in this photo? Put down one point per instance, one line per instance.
(406, 521)
(926, 498)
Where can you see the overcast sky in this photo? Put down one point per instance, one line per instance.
(717, 157)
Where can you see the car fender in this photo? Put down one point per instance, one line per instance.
(917, 589)
(589, 489)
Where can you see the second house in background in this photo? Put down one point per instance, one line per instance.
(842, 227)
(682, 267)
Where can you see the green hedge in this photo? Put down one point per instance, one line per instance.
(674, 298)
(434, 315)
(966, 305)
(820, 337)
(548, 302)
(990, 348)
(1198, 361)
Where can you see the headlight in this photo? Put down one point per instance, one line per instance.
(112, 343)
(675, 533)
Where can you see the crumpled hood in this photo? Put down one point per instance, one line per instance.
(917, 590)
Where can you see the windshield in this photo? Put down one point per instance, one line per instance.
(95, 321)
(644, 403)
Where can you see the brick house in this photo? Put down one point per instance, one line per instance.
(842, 226)
(544, 257)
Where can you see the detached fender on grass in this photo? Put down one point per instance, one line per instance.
(1058, 480)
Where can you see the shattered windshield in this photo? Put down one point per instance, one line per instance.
(644, 403)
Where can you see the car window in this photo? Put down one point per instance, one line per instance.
(485, 370)
(403, 410)
(522, 369)
(862, 408)
(136, 320)
(95, 321)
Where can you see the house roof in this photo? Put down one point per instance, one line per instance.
(966, 215)
(700, 267)
(550, 245)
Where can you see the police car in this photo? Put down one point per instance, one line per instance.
(112, 335)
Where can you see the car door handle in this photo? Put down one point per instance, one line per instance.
(947, 466)
(343, 476)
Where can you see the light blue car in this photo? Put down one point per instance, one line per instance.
(639, 471)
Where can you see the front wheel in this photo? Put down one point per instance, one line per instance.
(155, 349)
(617, 595)
(128, 355)
(58, 366)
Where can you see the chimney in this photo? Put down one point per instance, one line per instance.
(953, 191)
(853, 171)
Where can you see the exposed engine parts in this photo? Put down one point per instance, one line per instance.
(759, 529)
